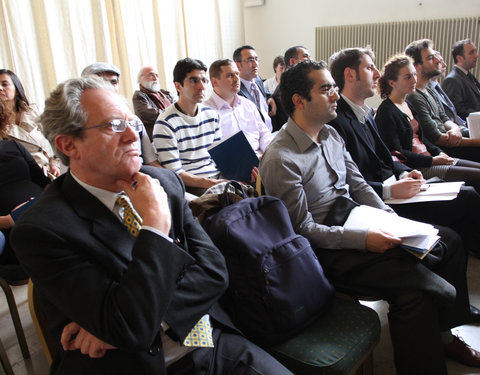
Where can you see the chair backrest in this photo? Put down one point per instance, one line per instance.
(39, 321)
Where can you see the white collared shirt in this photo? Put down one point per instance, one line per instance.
(243, 115)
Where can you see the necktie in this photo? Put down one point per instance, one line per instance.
(368, 131)
(200, 335)
(255, 93)
(131, 219)
(474, 80)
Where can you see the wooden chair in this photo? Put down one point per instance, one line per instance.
(39, 321)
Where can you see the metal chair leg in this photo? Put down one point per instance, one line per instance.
(7, 367)
(15, 317)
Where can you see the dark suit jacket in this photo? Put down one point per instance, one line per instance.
(357, 144)
(464, 94)
(245, 93)
(88, 269)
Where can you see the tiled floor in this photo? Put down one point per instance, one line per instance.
(37, 364)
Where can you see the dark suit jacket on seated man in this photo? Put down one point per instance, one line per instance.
(307, 166)
(251, 86)
(141, 294)
(460, 84)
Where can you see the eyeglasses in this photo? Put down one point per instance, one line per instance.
(119, 126)
(330, 91)
(250, 60)
(195, 80)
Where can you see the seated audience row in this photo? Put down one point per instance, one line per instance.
(401, 132)
(309, 168)
(306, 164)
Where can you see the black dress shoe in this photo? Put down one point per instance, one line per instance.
(474, 314)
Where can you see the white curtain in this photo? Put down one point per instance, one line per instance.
(48, 41)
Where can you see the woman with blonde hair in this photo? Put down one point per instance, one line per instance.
(23, 126)
(402, 133)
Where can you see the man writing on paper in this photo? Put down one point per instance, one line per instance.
(306, 165)
(356, 75)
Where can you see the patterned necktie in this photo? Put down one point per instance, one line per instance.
(255, 93)
(201, 334)
(131, 218)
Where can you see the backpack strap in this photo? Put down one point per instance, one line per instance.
(237, 185)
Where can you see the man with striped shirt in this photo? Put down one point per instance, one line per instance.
(184, 131)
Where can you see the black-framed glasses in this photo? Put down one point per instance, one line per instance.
(119, 125)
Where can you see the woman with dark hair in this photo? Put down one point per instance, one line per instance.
(23, 126)
(402, 134)
(271, 84)
(21, 180)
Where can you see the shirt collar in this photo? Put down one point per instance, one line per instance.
(108, 198)
(246, 83)
(463, 70)
(301, 139)
(361, 112)
(221, 103)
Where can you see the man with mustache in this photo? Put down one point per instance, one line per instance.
(150, 100)
(436, 125)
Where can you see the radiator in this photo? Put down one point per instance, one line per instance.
(387, 39)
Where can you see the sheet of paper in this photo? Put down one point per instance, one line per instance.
(436, 192)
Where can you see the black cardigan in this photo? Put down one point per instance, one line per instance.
(397, 133)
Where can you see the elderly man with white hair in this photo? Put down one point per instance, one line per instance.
(150, 100)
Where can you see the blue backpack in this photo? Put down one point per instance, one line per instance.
(277, 286)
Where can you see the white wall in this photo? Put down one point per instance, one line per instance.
(280, 24)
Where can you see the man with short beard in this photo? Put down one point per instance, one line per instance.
(436, 125)
(150, 100)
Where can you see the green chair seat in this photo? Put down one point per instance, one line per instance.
(336, 343)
